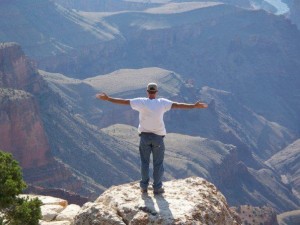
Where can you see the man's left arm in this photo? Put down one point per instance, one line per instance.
(197, 105)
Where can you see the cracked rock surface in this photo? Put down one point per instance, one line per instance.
(186, 201)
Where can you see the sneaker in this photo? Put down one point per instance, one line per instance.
(144, 190)
(159, 191)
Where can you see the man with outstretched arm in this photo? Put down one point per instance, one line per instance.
(152, 131)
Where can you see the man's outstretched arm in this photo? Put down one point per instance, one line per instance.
(105, 97)
(197, 105)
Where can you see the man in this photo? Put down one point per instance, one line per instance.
(152, 131)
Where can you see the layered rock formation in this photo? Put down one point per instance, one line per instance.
(257, 215)
(70, 197)
(289, 218)
(286, 162)
(188, 201)
(189, 154)
(104, 5)
(18, 71)
(21, 127)
(252, 55)
(295, 12)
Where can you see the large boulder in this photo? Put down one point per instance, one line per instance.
(55, 211)
(186, 201)
(68, 213)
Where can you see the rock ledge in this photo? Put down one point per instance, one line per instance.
(187, 201)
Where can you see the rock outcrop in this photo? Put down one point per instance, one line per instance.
(289, 218)
(257, 215)
(187, 201)
(295, 13)
(286, 162)
(17, 71)
(71, 197)
(22, 125)
(56, 211)
(21, 128)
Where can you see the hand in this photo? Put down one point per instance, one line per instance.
(102, 96)
(200, 105)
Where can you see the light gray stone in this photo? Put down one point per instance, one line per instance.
(49, 212)
(68, 213)
(55, 223)
(47, 200)
(187, 201)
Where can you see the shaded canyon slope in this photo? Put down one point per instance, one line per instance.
(244, 63)
(47, 139)
(238, 171)
(90, 160)
(246, 52)
(286, 163)
(250, 53)
(21, 124)
(22, 127)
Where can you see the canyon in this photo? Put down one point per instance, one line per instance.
(243, 62)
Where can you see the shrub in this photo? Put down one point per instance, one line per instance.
(13, 209)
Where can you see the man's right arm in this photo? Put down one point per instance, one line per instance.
(105, 97)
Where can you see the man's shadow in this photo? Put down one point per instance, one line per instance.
(159, 208)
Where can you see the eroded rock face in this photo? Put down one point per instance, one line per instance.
(295, 13)
(187, 201)
(21, 128)
(17, 71)
(251, 215)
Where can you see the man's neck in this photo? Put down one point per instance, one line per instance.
(151, 96)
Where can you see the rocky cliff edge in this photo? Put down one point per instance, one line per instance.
(186, 201)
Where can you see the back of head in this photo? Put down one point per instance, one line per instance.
(152, 87)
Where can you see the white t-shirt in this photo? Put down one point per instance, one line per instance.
(151, 113)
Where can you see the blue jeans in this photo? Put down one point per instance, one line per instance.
(152, 143)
